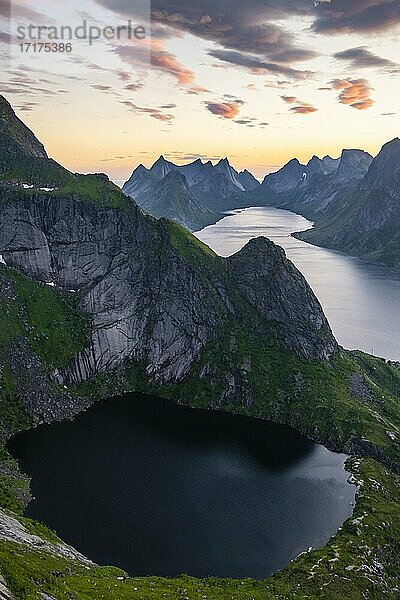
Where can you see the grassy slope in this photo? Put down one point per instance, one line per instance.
(313, 397)
(49, 322)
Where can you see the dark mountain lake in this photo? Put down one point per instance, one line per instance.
(160, 489)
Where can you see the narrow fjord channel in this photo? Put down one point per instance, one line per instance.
(361, 301)
(160, 489)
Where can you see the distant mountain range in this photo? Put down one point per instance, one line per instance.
(194, 195)
(354, 201)
(310, 189)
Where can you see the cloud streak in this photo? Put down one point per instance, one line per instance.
(256, 65)
(154, 113)
(360, 58)
(303, 109)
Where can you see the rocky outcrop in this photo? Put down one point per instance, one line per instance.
(17, 141)
(354, 165)
(278, 291)
(248, 181)
(11, 530)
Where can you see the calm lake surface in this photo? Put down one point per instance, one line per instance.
(159, 489)
(361, 301)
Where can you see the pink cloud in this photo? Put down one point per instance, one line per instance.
(226, 110)
(354, 92)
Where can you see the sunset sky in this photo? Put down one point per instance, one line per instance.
(257, 81)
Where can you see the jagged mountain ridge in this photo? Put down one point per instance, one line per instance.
(294, 179)
(355, 207)
(210, 189)
(169, 197)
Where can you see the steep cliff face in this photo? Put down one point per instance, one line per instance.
(364, 220)
(152, 293)
(278, 291)
(17, 140)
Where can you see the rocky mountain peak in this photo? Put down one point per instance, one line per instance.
(384, 170)
(353, 165)
(315, 166)
(16, 140)
(248, 181)
(287, 178)
(161, 167)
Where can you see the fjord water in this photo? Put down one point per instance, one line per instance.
(160, 489)
(361, 301)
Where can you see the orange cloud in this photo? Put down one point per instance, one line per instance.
(197, 89)
(155, 113)
(354, 92)
(289, 99)
(153, 51)
(226, 110)
(167, 62)
(303, 109)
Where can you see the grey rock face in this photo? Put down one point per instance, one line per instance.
(364, 219)
(13, 531)
(286, 178)
(353, 165)
(146, 302)
(279, 292)
(248, 181)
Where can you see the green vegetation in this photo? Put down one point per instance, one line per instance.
(56, 332)
(187, 244)
(49, 323)
(97, 189)
(94, 188)
(35, 171)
